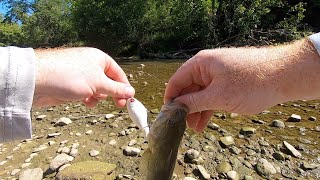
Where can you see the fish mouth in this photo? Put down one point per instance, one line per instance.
(131, 100)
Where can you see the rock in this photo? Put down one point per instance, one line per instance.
(247, 131)
(203, 172)
(263, 143)
(132, 142)
(60, 160)
(189, 178)
(265, 168)
(113, 125)
(294, 118)
(112, 142)
(317, 128)
(94, 153)
(27, 160)
(307, 166)
(234, 115)
(94, 122)
(144, 83)
(74, 152)
(34, 174)
(265, 112)
(65, 150)
(247, 177)
(312, 118)
(192, 154)
(15, 172)
(41, 117)
(78, 134)
(24, 165)
(88, 170)
(154, 111)
(142, 65)
(227, 141)
(223, 167)
(213, 126)
(292, 150)
(278, 156)
(64, 166)
(130, 76)
(109, 116)
(210, 137)
(278, 124)
(131, 151)
(40, 148)
(63, 121)
(51, 143)
(258, 121)
(250, 152)
(208, 148)
(9, 157)
(89, 132)
(233, 175)
(235, 150)
(53, 135)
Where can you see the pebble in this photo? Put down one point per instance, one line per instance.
(278, 156)
(227, 141)
(78, 134)
(63, 121)
(40, 148)
(109, 116)
(94, 153)
(223, 167)
(9, 157)
(192, 154)
(41, 117)
(213, 126)
(3, 162)
(113, 125)
(131, 151)
(112, 142)
(24, 165)
(251, 152)
(64, 166)
(154, 111)
(94, 122)
(15, 172)
(247, 131)
(74, 152)
(210, 137)
(132, 142)
(317, 128)
(265, 168)
(312, 118)
(234, 115)
(189, 178)
(233, 175)
(60, 160)
(53, 135)
(292, 150)
(235, 150)
(130, 76)
(51, 143)
(265, 112)
(203, 172)
(89, 132)
(294, 118)
(34, 174)
(258, 121)
(307, 166)
(208, 148)
(28, 160)
(278, 124)
(247, 177)
(65, 150)
(263, 143)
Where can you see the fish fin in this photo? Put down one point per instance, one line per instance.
(143, 167)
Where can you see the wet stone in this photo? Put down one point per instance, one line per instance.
(223, 167)
(294, 118)
(278, 124)
(34, 174)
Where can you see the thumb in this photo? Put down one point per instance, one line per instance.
(196, 101)
(116, 89)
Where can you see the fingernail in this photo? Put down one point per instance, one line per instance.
(129, 91)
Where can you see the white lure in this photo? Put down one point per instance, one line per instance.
(139, 115)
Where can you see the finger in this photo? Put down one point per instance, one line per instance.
(179, 81)
(202, 123)
(198, 101)
(193, 119)
(114, 71)
(120, 102)
(90, 102)
(100, 96)
(115, 88)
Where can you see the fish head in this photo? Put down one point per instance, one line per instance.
(131, 102)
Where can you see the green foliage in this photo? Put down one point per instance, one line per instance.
(10, 34)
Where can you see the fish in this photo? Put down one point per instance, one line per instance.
(159, 160)
(138, 114)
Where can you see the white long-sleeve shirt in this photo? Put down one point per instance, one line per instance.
(17, 83)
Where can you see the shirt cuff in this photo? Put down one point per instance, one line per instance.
(17, 84)
(315, 39)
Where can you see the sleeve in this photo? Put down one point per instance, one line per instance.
(315, 39)
(17, 84)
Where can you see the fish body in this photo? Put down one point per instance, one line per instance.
(165, 135)
(138, 114)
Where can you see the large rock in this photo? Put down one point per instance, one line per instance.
(34, 174)
(63, 121)
(292, 150)
(88, 170)
(265, 168)
(294, 118)
(60, 160)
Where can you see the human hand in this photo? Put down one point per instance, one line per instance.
(244, 80)
(79, 74)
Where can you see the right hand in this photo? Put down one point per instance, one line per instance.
(240, 80)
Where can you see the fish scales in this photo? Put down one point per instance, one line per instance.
(164, 139)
